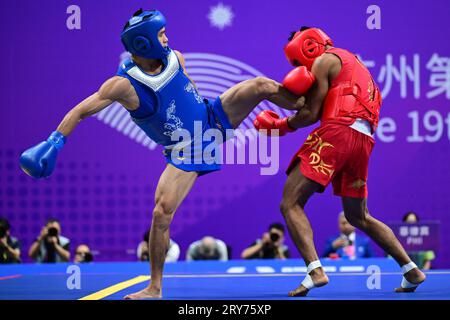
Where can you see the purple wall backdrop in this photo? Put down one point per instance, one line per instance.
(103, 188)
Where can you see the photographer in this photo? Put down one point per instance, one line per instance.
(9, 246)
(50, 246)
(143, 254)
(208, 248)
(270, 246)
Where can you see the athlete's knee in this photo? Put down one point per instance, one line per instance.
(161, 220)
(162, 214)
(358, 219)
(291, 200)
(264, 87)
(287, 207)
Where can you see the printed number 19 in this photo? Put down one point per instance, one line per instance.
(433, 123)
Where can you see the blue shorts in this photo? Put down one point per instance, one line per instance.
(217, 119)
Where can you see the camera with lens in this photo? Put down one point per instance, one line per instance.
(274, 236)
(52, 232)
(3, 231)
(87, 257)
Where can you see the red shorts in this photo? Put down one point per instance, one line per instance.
(339, 154)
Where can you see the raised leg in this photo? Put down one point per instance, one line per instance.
(242, 98)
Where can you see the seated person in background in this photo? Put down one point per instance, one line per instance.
(50, 246)
(9, 246)
(410, 217)
(421, 258)
(172, 255)
(207, 248)
(270, 246)
(83, 254)
(348, 244)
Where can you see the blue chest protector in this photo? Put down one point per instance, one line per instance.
(167, 102)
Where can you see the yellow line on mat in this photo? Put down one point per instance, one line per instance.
(115, 288)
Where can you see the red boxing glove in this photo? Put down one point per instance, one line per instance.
(299, 80)
(269, 120)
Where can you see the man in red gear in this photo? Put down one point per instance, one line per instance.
(346, 99)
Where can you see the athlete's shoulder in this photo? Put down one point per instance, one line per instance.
(333, 55)
(338, 50)
(115, 87)
(326, 62)
(180, 57)
(178, 53)
(326, 66)
(343, 55)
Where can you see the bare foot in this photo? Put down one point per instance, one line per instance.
(319, 279)
(415, 276)
(147, 293)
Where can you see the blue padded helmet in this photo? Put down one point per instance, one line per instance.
(140, 35)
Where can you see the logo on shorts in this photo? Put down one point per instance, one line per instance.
(358, 184)
(317, 144)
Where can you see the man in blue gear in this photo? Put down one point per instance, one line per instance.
(162, 100)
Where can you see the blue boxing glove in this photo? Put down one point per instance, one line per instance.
(39, 161)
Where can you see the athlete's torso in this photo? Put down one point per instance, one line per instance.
(353, 93)
(168, 101)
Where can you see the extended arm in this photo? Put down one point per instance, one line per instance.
(112, 90)
(39, 161)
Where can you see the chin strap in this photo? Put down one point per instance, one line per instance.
(405, 269)
(307, 282)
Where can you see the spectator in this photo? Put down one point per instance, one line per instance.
(348, 244)
(172, 255)
(9, 246)
(270, 246)
(207, 248)
(83, 254)
(410, 217)
(50, 246)
(421, 258)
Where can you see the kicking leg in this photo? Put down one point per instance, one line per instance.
(357, 214)
(173, 186)
(297, 190)
(242, 98)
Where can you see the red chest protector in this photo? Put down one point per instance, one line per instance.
(353, 93)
